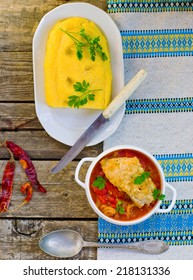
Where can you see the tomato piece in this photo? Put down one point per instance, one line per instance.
(113, 205)
(112, 189)
(112, 199)
(109, 186)
(102, 199)
(100, 192)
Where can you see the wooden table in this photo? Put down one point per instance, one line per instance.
(65, 204)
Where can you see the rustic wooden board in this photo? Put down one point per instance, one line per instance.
(65, 204)
(16, 75)
(64, 197)
(39, 145)
(18, 116)
(19, 238)
(20, 20)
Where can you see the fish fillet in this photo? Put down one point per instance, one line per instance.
(122, 171)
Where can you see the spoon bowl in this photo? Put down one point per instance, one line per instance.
(62, 243)
(66, 243)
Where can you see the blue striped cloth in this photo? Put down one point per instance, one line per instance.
(158, 37)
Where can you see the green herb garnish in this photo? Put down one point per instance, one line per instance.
(99, 182)
(140, 179)
(157, 195)
(87, 94)
(119, 208)
(92, 44)
(79, 45)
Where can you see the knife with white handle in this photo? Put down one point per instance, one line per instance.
(91, 131)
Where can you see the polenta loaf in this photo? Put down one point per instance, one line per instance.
(71, 61)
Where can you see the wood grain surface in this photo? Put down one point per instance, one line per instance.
(19, 238)
(65, 204)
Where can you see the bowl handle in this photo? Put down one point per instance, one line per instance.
(78, 170)
(172, 202)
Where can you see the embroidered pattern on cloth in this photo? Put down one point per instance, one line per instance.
(148, 45)
(174, 228)
(115, 6)
(157, 43)
(166, 105)
(178, 167)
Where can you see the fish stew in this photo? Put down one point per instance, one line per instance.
(117, 204)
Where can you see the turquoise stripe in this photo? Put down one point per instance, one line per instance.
(156, 54)
(161, 105)
(155, 32)
(114, 6)
(181, 206)
(157, 43)
(176, 167)
(173, 228)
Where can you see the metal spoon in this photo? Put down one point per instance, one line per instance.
(67, 243)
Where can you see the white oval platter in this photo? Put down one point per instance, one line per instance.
(65, 124)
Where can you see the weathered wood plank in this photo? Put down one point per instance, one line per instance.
(39, 145)
(65, 204)
(19, 238)
(19, 22)
(18, 116)
(16, 76)
(64, 198)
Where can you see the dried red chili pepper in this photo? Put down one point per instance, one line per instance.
(26, 163)
(26, 188)
(7, 185)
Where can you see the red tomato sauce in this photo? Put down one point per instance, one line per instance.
(117, 204)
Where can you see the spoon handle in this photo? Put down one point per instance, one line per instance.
(148, 247)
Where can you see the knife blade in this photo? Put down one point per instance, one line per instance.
(103, 118)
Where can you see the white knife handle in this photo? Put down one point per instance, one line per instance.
(124, 94)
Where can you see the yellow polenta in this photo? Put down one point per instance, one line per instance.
(63, 69)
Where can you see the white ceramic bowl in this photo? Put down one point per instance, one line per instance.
(155, 209)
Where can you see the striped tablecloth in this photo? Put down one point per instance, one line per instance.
(158, 37)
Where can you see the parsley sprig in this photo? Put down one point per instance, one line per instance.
(140, 179)
(92, 44)
(119, 208)
(157, 195)
(99, 182)
(87, 94)
(79, 45)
